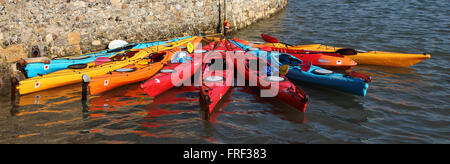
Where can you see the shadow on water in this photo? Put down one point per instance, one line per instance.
(281, 110)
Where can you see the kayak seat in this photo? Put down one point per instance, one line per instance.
(77, 66)
(131, 54)
(322, 72)
(125, 70)
(167, 71)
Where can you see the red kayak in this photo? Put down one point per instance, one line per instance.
(170, 97)
(174, 73)
(217, 76)
(286, 92)
(326, 60)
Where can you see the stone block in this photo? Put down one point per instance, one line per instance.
(97, 43)
(115, 2)
(73, 38)
(49, 38)
(2, 55)
(14, 53)
(73, 50)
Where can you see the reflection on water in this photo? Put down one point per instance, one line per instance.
(50, 98)
(114, 116)
(117, 101)
(284, 111)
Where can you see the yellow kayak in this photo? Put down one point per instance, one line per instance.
(49, 97)
(72, 76)
(367, 58)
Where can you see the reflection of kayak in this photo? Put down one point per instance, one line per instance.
(274, 107)
(368, 57)
(129, 95)
(277, 86)
(60, 95)
(163, 111)
(327, 61)
(72, 76)
(217, 75)
(169, 98)
(176, 71)
(300, 71)
(36, 69)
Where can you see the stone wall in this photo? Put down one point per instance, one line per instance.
(72, 27)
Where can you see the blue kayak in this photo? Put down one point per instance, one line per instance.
(312, 74)
(37, 69)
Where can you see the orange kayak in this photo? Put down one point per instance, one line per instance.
(142, 70)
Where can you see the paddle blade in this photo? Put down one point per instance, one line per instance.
(190, 47)
(284, 70)
(306, 65)
(347, 51)
(365, 77)
(269, 39)
(142, 63)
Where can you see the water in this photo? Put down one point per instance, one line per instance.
(403, 105)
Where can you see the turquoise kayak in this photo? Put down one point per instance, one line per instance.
(37, 69)
(300, 72)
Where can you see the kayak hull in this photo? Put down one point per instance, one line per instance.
(164, 81)
(372, 57)
(38, 69)
(283, 90)
(142, 71)
(159, 83)
(113, 79)
(337, 81)
(333, 61)
(212, 90)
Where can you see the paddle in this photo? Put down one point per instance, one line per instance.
(284, 70)
(271, 39)
(190, 47)
(344, 51)
(306, 65)
(366, 78)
